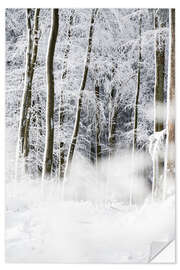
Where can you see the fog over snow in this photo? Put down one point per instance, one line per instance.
(90, 127)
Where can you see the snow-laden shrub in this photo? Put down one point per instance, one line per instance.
(157, 142)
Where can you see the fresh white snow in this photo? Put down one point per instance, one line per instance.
(41, 228)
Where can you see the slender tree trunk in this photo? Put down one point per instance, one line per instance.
(138, 89)
(159, 78)
(31, 55)
(48, 155)
(39, 135)
(62, 115)
(82, 87)
(158, 162)
(111, 115)
(93, 147)
(170, 147)
(112, 134)
(112, 122)
(98, 126)
(26, 101)
(136, 113)
(33, 63)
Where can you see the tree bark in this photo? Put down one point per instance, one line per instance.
(158, 162)
(170, 147)
(79, 103)
(31, 55)
(98, 126)
(48, 155)
(138, 89)
(26, 101)
(112, 132)
(159, 77)
(112, 118)
(93, 147)
(39, 135)
(62, 115)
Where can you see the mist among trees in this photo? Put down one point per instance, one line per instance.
(90, 103)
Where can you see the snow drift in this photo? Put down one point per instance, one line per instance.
(86, 220)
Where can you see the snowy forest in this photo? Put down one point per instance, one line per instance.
(90, 134)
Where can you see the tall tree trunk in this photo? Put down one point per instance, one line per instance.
(98, 126)
(48, 155)
(138, 89)
(170, 147)
(33, 63)
(39, 135)
(26, 101)
(79, 103)
(93, 146)
(112, 119)
(159, 77)
(31, 55)
(158, 162)
(136, 112)
(112, 131)
(61, 116)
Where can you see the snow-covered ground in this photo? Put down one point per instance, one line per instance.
(41, 228)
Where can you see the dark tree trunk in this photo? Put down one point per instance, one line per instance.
(98, 127)
(62, 115)
(82, 87)
(158, 162)
(25, 114)
(26, 102)
(92, 154)
(170, 154)
(138, 89)
(159, 76)
(112, 121)
(48, 155)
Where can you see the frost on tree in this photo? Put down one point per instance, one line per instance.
(98, 79)
(159, 71)
(62, 113)
(97, 120)
(157, 148)
(158, 160)
(31, 55)
(170, 125)
(138, 87)
(82, 87)
(113, 112)
(48, 155)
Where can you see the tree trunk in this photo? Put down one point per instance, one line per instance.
(158, 162)
(79, 103)
(26, 101)
(61, 116)
(93, 146)
(48, 155)
(159, 78)
(138, 89)
(98, 129)
(112, 119)
(170, 147)
(136, 113)
(39, 135)
(112, 131)
(25, 114)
